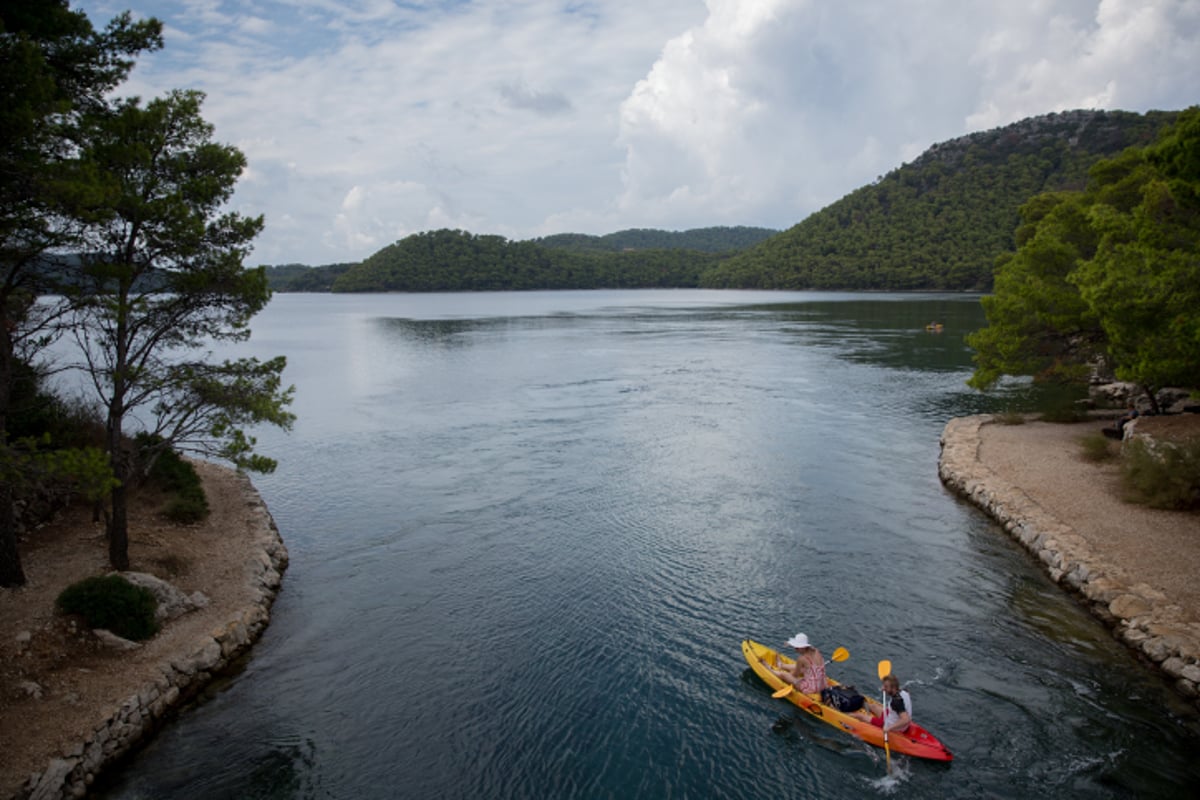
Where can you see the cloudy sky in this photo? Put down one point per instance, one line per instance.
(365, 121)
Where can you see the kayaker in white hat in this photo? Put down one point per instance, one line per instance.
(808, 673)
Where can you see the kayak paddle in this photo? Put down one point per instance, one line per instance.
(839, 655)
(885, 669)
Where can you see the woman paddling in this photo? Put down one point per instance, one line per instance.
(808, 673)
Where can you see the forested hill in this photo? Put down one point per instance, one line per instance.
(448, 260)
(705, 240)
(939, 222)
(457, 261)
(303, 278)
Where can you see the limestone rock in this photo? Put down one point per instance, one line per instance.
(172, 602)
(52, 782)
(1128, 606)
(1174, 666)
(114, 642)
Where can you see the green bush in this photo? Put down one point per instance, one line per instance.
(1165, 476)
(1096, 447)
(172, 473)
(112, 603)
(1065, 413)
(188, 506)
(36, 411)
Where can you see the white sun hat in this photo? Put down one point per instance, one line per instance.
(799, 640)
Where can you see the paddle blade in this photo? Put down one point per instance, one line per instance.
(784, 692)
(885, 669)
(841, 654)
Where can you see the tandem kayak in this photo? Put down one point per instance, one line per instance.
(916, 741)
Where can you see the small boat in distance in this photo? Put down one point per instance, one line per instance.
(934, 327)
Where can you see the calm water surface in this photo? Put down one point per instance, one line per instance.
(529, 531)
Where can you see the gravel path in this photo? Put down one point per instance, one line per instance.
(1159, 548)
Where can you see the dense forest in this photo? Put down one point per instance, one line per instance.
(302, 278)
(940, 222)
(1107, 275)
(705, 240)
(456, 261)
(448, 261)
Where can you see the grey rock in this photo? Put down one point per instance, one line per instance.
(52, 782)
(172, 602)
(114, 642)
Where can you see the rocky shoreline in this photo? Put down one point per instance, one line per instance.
(1141, 616)
(184, 669)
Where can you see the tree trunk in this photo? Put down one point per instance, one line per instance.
(1150, 395)
(118, 522)
(11, 574)
(118, 530)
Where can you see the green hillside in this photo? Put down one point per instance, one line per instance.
(940, 222)
(704, 240)
(636, 258)
(457, 261)
(302, 278)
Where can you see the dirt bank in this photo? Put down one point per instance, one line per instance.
(67, 703)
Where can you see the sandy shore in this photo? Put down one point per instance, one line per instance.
(1136, 567)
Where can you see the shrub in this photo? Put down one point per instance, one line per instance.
(170, 472)
(36, 411)
(1166, 475)
(188, 506)
(1065, 413)
(173, 474)
(1011, 418)
(113, 603)
(1096, 447)
(1060, 402)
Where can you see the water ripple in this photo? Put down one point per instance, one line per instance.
(528, 534)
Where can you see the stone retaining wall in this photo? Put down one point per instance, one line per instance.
(180, 678)
(1140, 615)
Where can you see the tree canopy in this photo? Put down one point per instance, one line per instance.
(54, 68)
(162, 279)
(457, 261)
(1108, 276)
(719, 239)
(635, 258)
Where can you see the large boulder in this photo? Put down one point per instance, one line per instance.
(172, 602)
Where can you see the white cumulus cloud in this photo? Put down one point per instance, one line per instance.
(366, 120)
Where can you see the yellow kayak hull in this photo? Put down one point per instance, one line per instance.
(916, 741)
